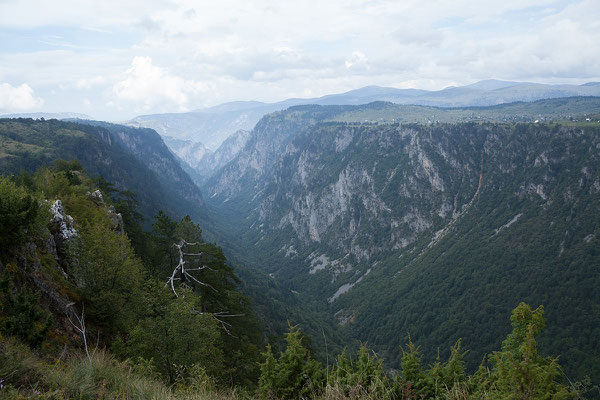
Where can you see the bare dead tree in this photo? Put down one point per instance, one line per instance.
(181, 273)
(80, 327)
(217, 316)
(184, 273)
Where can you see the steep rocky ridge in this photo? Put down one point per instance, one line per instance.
(188, 151)
(212, 162)
(200, 162)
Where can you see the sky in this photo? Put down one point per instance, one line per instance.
(114, 60)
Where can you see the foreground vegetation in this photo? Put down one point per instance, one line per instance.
(517, 371)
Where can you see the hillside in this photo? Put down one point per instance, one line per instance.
(131, 159)
(451, 224)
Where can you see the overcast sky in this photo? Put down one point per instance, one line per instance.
(117, 59)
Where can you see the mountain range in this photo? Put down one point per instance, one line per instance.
(211, 126)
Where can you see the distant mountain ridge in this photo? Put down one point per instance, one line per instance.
(211, 126)
(47, 115)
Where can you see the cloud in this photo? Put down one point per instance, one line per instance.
(88, 83)
(357, 60)
(148, 86)
(19, 98)
(200, 54)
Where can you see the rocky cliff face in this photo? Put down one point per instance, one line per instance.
(147, 146)
(132, 159)
(334, 196)
(366, 191)
(199, 161)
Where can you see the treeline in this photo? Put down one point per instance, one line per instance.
(93, 306)
(517, 371)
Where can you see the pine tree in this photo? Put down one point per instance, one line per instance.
(295, 375)
(518, 371)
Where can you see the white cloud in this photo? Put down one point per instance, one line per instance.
(357, 60)
(18, 98)
(148, 86)
(88, 83)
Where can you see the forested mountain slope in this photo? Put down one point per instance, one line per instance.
(132, 159)
(136, 160)
(450, 225)
(148, 147)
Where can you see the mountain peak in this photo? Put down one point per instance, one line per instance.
(492, 84)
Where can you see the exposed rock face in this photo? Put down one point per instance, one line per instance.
(149, 149)
(199, 161)
(147, 146)
(356, 192)
(213, 161)
(61, 225)
(116, 218)
(96, 197)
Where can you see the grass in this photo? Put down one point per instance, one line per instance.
(24, 375)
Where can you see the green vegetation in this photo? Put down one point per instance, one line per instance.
(101, 291)
(119, 307)
(515, 372)
(21, 315)
(174, 342)
(20, 215)
(294, 375)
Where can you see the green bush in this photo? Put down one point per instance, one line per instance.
(19, 213)
(21, 315)
(295, 375)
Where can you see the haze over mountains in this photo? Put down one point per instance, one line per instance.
(46, 115)
(195, 137)
(322, 200)
(211, 126)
